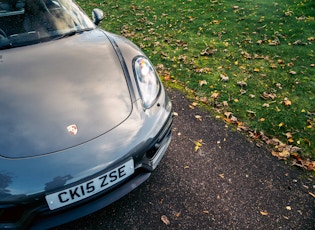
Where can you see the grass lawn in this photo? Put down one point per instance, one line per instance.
(252, 61)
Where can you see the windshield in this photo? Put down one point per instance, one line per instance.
(24, 22)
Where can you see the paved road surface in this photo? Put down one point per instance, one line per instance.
(229, 183)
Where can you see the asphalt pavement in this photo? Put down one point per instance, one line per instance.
(228, 183)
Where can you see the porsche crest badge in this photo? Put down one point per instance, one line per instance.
(72, 129)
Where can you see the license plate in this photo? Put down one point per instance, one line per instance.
(91, 187)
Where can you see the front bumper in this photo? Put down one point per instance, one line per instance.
(38, 216)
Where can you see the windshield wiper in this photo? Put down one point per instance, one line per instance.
(73, 32)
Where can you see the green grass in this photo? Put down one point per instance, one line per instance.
(267, 44)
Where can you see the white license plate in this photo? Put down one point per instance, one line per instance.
(91, 187)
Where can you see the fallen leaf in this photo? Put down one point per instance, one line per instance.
(241, 83)
(215, 95)
(198, 144)
(312, 194)
(165, 220)
(208, 51)
(267, 96)
(288, 135)
(264, 213)
(203, 82)
(224, 78)
(287, 102)
(281, 124)
(198, 117)
(227, 114)
(233, 119)
(284, 154)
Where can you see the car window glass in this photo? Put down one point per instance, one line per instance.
(24, 22)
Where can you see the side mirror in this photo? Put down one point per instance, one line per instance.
(97, 15)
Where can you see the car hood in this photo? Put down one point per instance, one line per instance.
(60, 94)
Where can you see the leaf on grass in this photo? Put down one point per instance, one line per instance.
(281, 124)
(204, 100)
(241, 83)
(227, 114)
(292, 72)
(208, 51)
(287, 102)
(273, 66)
(267, 96)
(224, 78)
(259, 42)
(215, 95)
(288, 135)
(203, 82)
(256, 70)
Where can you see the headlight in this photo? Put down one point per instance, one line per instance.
(147, 81)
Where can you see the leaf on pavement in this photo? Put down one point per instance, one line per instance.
(165, 220)
(264, 213)
(198, 144)
(198, 117)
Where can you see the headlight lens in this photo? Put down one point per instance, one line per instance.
(147, 80)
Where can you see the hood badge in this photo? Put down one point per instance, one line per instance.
(72, 129)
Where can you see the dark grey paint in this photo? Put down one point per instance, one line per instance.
(85, 80)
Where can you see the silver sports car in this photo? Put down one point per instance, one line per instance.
(84, 118)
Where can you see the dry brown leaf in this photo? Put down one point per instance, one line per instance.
(312, 194)
(227, 114)
(242, 83)
(215, 95)
(165, 220)
(198, 117)
(264, 213)
(203, 82)
(288, 135)
(224, 78)
(287, 102)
